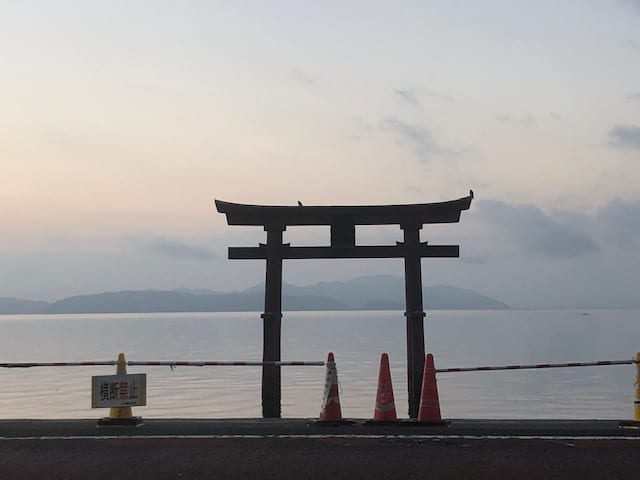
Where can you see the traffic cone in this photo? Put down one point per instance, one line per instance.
(385, 409)
(429, 411)
(330, 412)
(120, 415)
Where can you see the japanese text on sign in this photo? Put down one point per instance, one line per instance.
(119, 390)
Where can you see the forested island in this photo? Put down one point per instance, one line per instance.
(380, 292)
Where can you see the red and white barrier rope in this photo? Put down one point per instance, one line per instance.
(180, 363)
(159, 363)
(224, 364)
(56, 364)
(539, 365)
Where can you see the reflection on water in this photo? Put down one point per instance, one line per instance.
(457, 339)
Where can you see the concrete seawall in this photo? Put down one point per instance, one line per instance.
(299, 427)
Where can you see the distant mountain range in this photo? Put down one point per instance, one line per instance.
(380, 292)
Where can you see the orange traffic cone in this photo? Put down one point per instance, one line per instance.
(429, 411)
(331, 412)
(385, 409)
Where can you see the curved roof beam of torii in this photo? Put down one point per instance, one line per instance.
(417, 213)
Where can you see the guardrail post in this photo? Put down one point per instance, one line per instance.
(636, 403)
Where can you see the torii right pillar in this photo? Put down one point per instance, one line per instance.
(414, 315)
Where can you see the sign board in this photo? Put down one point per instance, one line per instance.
(119, 390)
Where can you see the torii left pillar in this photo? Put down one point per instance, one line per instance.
(272, 323)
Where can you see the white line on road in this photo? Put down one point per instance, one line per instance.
(325, 436)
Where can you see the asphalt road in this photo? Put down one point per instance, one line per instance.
(298, 448)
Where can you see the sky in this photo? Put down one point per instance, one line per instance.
(121, 122)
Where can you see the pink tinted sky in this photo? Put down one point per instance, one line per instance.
(121, 122)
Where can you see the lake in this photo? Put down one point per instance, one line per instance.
(456, 338)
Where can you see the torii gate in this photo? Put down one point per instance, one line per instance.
(342, 220)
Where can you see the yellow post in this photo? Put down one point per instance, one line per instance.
(635, 423)
(636, 404)
(121, 412)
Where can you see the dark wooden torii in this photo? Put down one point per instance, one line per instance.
(342, 221)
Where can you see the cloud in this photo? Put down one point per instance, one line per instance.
(634, 4)
(526, 121)
(305, 78)
(172, 248)
(408, 96)
(417, 138)
(534, 231)
(625, 136)
(621, 222)
(633, 97)
(473, 259)
(439, 96)
(412, 97)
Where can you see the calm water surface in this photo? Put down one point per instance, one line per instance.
(456, 338)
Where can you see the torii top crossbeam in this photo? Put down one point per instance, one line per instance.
(417, 213)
